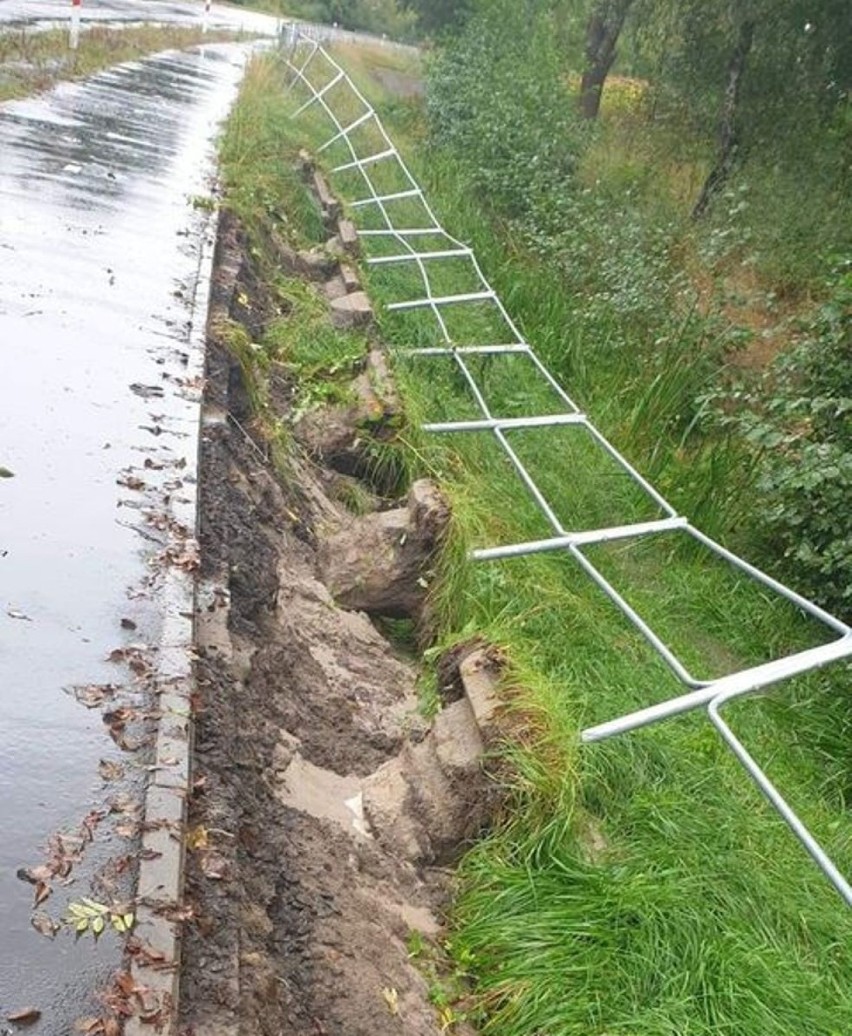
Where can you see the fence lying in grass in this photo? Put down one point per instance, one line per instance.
(400, 230)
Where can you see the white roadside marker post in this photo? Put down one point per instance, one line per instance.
(74, 37)
(205, 20)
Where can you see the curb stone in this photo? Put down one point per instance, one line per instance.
(162, 851)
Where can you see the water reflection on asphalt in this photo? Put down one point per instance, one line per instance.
(99, 257)
(15, 14)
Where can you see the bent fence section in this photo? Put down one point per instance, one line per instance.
(368, 152)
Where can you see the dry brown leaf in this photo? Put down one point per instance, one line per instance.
(146, 956)
(98, 1026)
(42, 891)
(124, 981)
(123, 803)
(44, 925)
(89, 1026)
(93, 695)
(90, 822)
(35, 874)
(131, 482)
(175, 911)
(196, 838)
(109, 770)
(128, 744)
(26, 1016)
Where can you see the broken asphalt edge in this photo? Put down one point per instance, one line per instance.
(156, 971)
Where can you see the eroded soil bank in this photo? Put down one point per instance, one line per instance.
(302, 909)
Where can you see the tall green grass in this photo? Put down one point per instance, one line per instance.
(639, 887)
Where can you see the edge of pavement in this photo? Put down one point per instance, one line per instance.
(155, 965)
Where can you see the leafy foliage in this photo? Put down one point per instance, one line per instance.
(800, 417)
(382, 17)
(496, 99)
(438, 15)
(87, 916)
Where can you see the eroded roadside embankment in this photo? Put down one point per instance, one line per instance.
(325, 808)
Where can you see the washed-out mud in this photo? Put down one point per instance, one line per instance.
(312, 856)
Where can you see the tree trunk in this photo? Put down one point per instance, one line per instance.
(602, 32)
(729, 137)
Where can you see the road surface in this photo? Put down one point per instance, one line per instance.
(101, 279)
(47, 13)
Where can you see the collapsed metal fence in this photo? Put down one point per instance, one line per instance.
(365, 153)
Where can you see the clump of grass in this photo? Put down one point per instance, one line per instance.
(258, 152)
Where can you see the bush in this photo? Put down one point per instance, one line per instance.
(800, 416)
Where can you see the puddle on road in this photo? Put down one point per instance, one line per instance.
(99, 252)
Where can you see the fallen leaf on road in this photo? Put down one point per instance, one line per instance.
(44, 925)
(93, 694)
(90, 822)
(175, 912)
(133, 656)
(123, 803)
(128, 624)
(42, 891)
(109, 770)
(131, 482)
(124, 981)
(120, 716)
(97, 1026)
(147, 957)
(35, 874)
(13, 613)
(125, 742)
(24, 1017)
(5, 473)
(89, 1025)
(147, 391)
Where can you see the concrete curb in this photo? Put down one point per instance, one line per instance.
(155, 970)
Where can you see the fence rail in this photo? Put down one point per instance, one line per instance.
(304, 55)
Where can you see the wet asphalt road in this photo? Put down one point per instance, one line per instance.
(44, 13)
(100, 262)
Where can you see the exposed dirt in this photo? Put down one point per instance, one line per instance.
(300, 917)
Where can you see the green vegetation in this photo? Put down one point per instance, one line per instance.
(640, 887)
(381, 17)
(660, 322)
(263, 188)
(33, 61)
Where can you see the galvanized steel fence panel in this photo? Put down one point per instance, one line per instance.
(315, 71)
